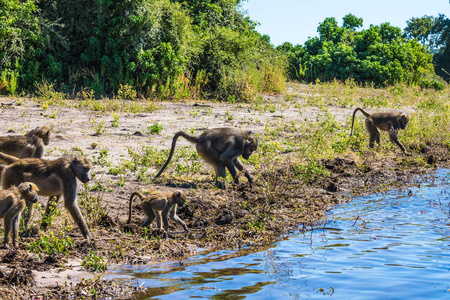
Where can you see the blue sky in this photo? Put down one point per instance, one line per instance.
(296, 20)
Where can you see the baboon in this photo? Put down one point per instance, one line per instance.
(54, 178)
(12, 203)
(155, 205)
(221, 147)
(391, 122)
(28, 145)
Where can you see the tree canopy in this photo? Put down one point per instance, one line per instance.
(434, 32)
(379, 54)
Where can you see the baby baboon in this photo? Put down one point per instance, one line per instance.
(155, 205)
(28, 145)
(12, 203)
(53, 178)
(221, 147)
(391, 122)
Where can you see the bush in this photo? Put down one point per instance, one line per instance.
(155, 48)
(378, 55)
(436, 83)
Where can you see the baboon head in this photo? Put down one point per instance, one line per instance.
(81, 167)
(251, 144)
(179, 198)
(403, 121)
(44, 133)
(29, 191)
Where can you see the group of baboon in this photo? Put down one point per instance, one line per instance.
(26, 174)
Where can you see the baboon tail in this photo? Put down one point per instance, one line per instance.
(7, 159)
(353, 118)
(131, 204)
(190, 138)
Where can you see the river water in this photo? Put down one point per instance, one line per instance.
(392, 245)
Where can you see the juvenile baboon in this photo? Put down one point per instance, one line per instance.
(12, 203)
(221, 147)
(160, 204)
(54, 178)
(28, 145)
(391, 122)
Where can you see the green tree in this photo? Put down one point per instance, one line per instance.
(420, 29)
(352, 22)
(378, 54)
(434, 32)
(329, 30)
(20, 40)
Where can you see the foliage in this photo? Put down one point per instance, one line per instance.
(126, 92)
(378, 55)
(50, 244)
(154, 48)
(91, 205)
(155, 128)
(94, 263)
(434, 32)
(20, 37)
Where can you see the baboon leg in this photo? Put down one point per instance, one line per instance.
(227, 159)
(230, 166)
(149, 219)
(15, 229)
(394, 139)
(240, 167)
(70, 203)
(173, 216)
(49, 208)
(220, 173)
(374, 134)
(158, 220)
(238, 164)
(165, 215)
(75, 212)
(378, 139)
(8, 222)
(220, 170)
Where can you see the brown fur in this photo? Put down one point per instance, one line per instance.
(160, 204)
(221, 147)
(28, 145)
(53, 178)
(391, 122)
(12, 203)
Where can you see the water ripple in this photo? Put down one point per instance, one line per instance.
(391, 245)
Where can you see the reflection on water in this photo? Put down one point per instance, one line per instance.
(391, 245)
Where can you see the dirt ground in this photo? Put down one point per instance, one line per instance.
(217, 219)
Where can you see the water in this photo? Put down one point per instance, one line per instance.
(392, 245)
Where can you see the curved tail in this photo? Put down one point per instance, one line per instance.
(354, 113)
(7, 159)
(190, 138)
(131, 204)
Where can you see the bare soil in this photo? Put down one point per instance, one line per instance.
(231, 218)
